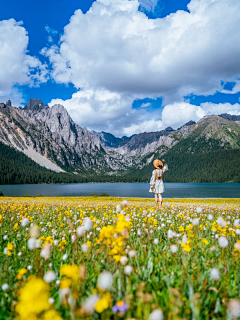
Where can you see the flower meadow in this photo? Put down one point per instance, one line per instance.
(95, 258)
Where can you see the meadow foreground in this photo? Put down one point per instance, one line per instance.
(95, 258)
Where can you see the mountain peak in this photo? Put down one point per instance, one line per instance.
(189, 123)
(230, 117)
(35, 105)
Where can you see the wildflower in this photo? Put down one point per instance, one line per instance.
(234, 308)
(46, 251)
(34, 231)
(174, 248)
(199, 210)
(120, 306)
(195, 222)
(214, 274)
(170, 234)
(31, 243)
(25, 222)
(103, 303)
(125, 203)
(210, 217)
(84, 247)
(236, 222)
(205, 241)
(124, 260)
(5, 287)
(51, 300)
(156, 241)
(87, 224)
(156, 315)
(20, 274)
(132, 253)
(118, 208)
(80, 231)
(128, 270)
(237, 245)
(223, 242)
(5, 237)
(29, 267)
(105, 280)
(89, 304)
(65, 256)
(49, 276)
(73, 238)
(70, 271)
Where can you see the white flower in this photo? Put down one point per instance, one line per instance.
(221, 222)
(156, 241)
(210, 217)
(199, 210)
(238, 231)
(49, 276)
(236, 222)
(25, 222)
(5, 237)
(5, 287)
(65, 256)
(128, 270)
(170, 234)
(46, 251)
(19, 254)
(184, 238)
(156, 315)
(31, 243)
(84, 247)
(73, 238)
(55, 242)
(195, 222)
(174, 248)
(105, 280)
(214, 274)
(125, 203)
(90, 303)
(124, 260)
(234, 308)
(87, 224)
(118, 208)
(38, 243)
(237, 246)
(132, 253)
(80, 231)
(34, 231)
(29, 267)
(139, 232)
(51, 300)
(223, 242)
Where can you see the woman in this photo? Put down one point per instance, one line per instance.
(156, 183)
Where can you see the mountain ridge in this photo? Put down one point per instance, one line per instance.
(50, 137)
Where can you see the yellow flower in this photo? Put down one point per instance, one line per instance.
(20, 274)
(103, 303)
(10, 246)
(65, 283)
(205, 241)
(70, 271)
(51, 315)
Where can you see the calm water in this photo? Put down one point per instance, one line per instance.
(172, 190)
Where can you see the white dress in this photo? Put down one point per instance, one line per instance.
(158, 186)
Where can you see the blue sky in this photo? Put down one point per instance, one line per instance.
(141, 109)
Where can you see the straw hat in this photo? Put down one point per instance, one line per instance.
(157, 163)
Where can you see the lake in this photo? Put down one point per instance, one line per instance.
(172, 190)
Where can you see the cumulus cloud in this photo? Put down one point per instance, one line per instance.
(17, 67)
(148, 5)
(115, 48)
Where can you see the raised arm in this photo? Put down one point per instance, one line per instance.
(165, 166)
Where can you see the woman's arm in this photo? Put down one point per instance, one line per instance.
(153, 178)
(165, 166)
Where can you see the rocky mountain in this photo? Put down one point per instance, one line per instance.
(109, 140)
(230, 117)
(50, 137)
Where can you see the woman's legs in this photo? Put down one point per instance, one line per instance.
(156, 199)
(160, 200)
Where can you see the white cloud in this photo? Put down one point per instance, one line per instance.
(17, 67)
(115, 48)
(148, 5)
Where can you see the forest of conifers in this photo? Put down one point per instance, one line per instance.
(214, 166)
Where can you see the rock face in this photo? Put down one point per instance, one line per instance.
(230, 117)
(51, 138)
